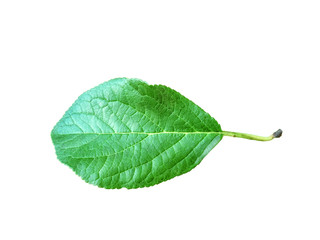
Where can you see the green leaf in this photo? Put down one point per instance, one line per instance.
(126, 133)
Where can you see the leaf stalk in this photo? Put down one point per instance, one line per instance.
(276, 134)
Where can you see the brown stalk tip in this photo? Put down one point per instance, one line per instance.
(277, 134)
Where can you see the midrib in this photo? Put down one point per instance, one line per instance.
(137, 133)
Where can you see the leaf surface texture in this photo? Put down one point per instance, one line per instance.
(126, 133)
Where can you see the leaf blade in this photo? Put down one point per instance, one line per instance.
(126, 133)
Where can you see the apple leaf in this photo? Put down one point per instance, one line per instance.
(126, 133)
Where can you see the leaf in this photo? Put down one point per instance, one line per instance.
(126, 133)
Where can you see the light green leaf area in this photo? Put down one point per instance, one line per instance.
(126, 133)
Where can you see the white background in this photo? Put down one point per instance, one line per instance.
(253, 65)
